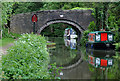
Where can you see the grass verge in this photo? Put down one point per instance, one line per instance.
(6, 41)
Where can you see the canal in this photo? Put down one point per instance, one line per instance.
(83, 63)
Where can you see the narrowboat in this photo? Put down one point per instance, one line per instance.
(70, 33)
(100, 39)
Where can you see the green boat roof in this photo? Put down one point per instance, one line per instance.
(101, 32)
(68, 28)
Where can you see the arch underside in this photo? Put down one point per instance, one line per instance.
(77, 26)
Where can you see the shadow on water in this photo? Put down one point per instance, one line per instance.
(81, 63)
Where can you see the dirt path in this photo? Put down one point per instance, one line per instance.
(3, 50)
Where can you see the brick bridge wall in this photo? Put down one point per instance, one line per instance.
(80, 19)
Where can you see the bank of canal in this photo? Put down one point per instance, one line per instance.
(79, 62)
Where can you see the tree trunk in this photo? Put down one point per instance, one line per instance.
(104, 15)
(97, 20)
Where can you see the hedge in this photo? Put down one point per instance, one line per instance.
(27, 59)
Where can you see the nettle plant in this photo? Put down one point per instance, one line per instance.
(27, 59)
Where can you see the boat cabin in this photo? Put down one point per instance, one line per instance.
(100, 37)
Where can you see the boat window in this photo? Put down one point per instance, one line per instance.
(93, 37)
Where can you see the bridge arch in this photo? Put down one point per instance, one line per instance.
(76, 26)
(80, 19)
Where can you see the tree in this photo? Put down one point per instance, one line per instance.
(6, 9)
(22, 7)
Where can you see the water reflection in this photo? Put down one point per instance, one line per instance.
(62, 54)
(84, 63)
(70, 43)
(100, 58)
(102, 64)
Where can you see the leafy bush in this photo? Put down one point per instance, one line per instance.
(15, 35)
(27, 59)
(92, 26)
(5, 33)
(117, 46)
(9, 35)
(54, 71)
(84, 37)
(79, 8)
(116, 37)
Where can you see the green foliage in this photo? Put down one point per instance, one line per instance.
(117, 46)
(33, 6)
(55, 30)
(114, 71)
(84, 38)
(5, 34)
(91, 68)
(54, 71)
(27, 59)
(5, 41)
(92, 26)
(78, 8)
(15, 35)
(6, 11)
(64, 5)
(117, 55)
(112, 23)
(52, 6)
(113, 20)
(117, 37)
(23, 7)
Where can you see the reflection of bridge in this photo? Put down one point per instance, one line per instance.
(76, 61)
(78, 70)
(95, 53)
(73, 65)
(79, 19)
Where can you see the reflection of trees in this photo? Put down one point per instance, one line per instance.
(83, 53)
(62, 55)
(112, 72)
(73, 53)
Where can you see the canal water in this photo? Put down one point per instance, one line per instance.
(83, 63)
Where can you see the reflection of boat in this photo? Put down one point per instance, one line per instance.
(100, 39)
(100, 62)
(100, 58)
(70, 42)
(70, 33)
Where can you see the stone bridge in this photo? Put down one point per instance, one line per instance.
(79, 19)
